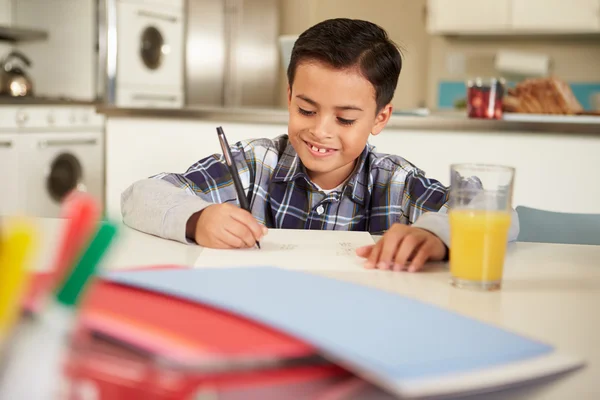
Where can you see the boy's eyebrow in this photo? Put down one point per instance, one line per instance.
(314, 103)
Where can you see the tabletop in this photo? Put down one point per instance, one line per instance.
(551, 292)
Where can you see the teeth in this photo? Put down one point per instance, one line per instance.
(314, 148)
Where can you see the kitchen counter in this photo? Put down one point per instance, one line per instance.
(45, 101)
(437, 121)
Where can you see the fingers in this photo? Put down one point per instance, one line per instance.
(219, 244)
(374, 255)
(422, 255)
(403, 248)
(388, 251)
(407, 249)
(238, 234)
(244, 217)
(383, 252)
(364, 251)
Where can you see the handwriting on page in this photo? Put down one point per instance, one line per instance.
(345, 249)
(295, 249)
(288, 247)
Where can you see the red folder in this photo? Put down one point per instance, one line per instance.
(180, 330)
(134, 344)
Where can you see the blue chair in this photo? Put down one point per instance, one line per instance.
(557, 227)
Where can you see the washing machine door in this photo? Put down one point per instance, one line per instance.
(64, 176)
(152, 47)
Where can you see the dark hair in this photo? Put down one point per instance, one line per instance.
(345, 43)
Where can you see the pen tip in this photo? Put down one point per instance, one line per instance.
(258, 244)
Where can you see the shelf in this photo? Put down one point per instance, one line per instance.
(520, 35)
(15, 34)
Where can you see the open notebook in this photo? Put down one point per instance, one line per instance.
(408, 347)
(300, 248)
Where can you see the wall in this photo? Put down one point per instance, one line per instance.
(574, 60)
(5, 12)
(5, 19)
(402, 19)
(161, 149)
(64, 64)
(560, 175)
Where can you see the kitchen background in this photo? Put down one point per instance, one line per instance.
(186, 55)
(230, 55)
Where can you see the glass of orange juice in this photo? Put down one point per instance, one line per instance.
(480, 216)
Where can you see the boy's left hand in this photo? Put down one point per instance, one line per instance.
(401, 244)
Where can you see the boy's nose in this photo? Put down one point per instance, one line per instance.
(322, 129)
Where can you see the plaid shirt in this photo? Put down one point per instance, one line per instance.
(383, 189)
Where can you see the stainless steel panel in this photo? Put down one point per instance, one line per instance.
(254, 53)
(232, 54)
(205, 52)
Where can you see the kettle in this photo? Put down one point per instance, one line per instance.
(13, 79)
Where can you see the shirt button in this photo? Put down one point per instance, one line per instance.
(320, 210)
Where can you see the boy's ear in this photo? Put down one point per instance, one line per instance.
(289, 94)
(382, 118)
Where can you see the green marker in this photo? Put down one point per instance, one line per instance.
(39, 348)
(86, 267)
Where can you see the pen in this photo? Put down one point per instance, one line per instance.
(234, 173)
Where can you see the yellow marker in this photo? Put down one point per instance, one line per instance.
(15, 248)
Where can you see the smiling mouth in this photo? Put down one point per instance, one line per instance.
(319, 150)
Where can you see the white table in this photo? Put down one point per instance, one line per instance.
(550, 292)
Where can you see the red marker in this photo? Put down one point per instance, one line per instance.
(82, 214)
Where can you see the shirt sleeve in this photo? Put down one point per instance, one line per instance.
(422, 195)
(426, 204)
(162, 204)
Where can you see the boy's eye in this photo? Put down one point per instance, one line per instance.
(305, 112)
(344, 121)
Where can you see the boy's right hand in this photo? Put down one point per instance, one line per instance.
(224, 226)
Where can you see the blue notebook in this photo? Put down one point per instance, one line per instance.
(406, 346)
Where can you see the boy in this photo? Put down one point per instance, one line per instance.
(322, 174)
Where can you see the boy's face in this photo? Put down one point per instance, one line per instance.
(332, 112)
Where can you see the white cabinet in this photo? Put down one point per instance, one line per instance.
(506, 17)
(9, 199)
(555, 16)
(468, 16)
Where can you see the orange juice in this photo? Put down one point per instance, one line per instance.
(478, 244)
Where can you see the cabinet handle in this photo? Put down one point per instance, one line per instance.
(7, 144)
(154, 97)
(164, 17)
(42, 144)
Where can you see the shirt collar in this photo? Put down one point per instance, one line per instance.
(290, 168)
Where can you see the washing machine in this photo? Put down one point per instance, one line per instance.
(150, 53)
(60, 149)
